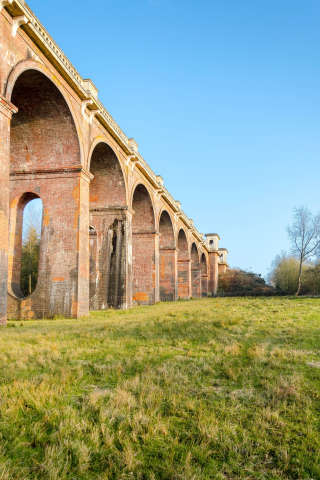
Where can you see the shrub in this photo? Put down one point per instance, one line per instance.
(238, 283)
(285, 273)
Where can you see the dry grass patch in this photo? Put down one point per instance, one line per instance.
(209, 389)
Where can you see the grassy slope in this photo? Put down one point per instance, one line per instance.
(210, 389)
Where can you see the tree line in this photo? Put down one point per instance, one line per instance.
(296, 273)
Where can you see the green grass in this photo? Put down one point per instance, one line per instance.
(223, 388)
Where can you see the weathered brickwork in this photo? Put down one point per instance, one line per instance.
(195, 272)
(57, 291)
(144, 247)
(167, 259)
(108, 226)
(6, 111)
(112, 235)
(184, 267)
(204, 276)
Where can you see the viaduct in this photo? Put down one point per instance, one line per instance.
(112, 235)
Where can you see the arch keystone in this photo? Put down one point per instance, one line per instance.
(84, 105)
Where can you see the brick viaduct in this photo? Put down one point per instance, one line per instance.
(112, 235)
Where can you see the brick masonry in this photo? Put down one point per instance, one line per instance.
(184, 267)
(6, 111)
(112, 235)
(195, 272)
(167, 259)
(204, 276)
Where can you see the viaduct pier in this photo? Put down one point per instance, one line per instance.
(111, 235)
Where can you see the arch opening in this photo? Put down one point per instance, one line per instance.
(204, 276)
(167, 259)
(26, 256)
(107, 189)
(143, 247)
(46, 159)
(43, 133)
(195, 272)
(183, 266)
(108, 226)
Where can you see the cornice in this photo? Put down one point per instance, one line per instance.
(7, 108)
(54, 171)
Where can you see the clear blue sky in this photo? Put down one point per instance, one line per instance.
(222, 97)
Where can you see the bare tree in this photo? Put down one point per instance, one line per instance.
(31, 236)
(304, 234)
(32, 217)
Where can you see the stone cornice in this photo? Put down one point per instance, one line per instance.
(216, 252)
(86, 90)
(213, 235)
(146, 233)
(7, 108)
(63, 171)
(112, 207)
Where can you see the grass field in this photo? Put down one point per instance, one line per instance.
(220, 388)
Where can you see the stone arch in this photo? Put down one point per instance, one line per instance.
(167, 258)
(108, 229)
(43, 133)
(143, 209)
(166, 230)
(108, 186)
(204, 275)
(103, 140)
(195, 272)
(139, 184)
(144, 239)
(46, 159)
(183, 265)
(32, 65)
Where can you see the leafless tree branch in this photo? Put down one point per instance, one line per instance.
(304, 234)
